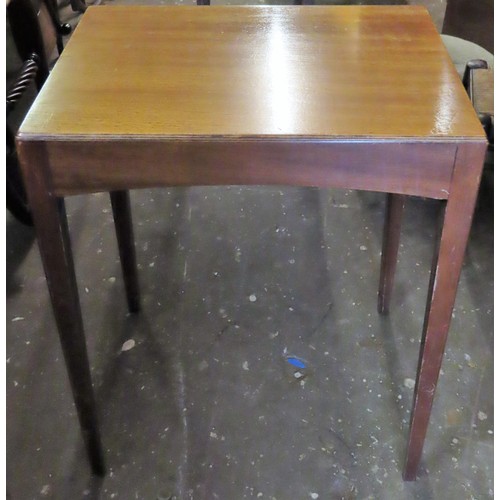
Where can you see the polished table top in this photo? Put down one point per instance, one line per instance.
(314, 72)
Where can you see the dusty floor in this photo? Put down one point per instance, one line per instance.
(205, 405)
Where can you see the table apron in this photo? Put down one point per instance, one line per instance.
(418, 168)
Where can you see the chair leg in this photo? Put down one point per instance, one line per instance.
(120, 203)
(390, 245)
(443, 285)
(51, 227)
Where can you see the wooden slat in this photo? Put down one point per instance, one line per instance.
(482, 91)
(418, 169)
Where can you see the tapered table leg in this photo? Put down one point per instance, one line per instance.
(390, 245)
(53, 241)
(442, 291)
(120, 203)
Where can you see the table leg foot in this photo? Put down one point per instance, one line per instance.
(390, 245)
(443, 285)
(120, 202)
(65, 302)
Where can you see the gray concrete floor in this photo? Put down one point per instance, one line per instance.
(205, 404)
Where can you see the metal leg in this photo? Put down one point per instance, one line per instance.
(120, 202)
(390, 245)
(442, 291)
(49, 216)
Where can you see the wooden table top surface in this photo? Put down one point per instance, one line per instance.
(366, 72)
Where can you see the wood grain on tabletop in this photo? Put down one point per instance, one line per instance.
(343, 71)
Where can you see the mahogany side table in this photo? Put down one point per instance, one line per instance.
(334, 97)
